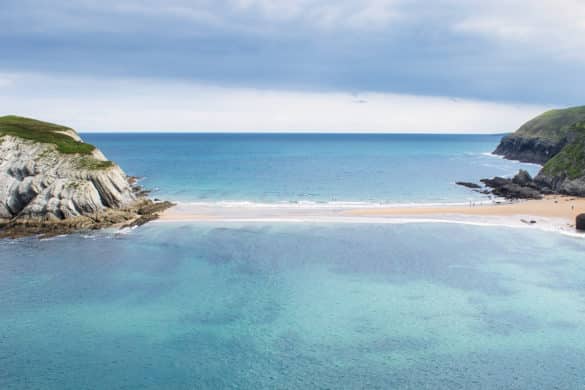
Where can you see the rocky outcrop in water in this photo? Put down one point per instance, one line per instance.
(520, 186)
(555, 139)
(467, 184)
(54, 185)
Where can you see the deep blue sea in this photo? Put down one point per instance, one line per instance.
(296, 305)
(311, 167)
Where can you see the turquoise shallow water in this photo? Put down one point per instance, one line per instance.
(296, 305)
(291, 306)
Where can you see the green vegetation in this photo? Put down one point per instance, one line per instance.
(570, 161)
(93, 164)
(74, 185)
(50, 133)
(553, 125)
(44, 132)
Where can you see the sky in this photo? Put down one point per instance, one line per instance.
(446, 66)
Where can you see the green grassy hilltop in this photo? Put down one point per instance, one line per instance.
(50, 133)
(44, 132)
(553, 125)
(570, 161)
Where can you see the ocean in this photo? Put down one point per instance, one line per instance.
(268, 168)
(216, 305)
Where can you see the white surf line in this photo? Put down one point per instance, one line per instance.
(331, 205)
(543, 224)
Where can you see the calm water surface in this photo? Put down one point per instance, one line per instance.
(296, 306)
(307, 167)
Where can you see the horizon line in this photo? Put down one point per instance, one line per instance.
(282, 132)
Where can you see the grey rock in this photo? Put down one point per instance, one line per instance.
(508, 189)
(522, 178)
(38, 182)
(560, 185)
(526, 149)
(580, 222)
(467, 184)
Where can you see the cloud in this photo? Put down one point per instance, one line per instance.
(502, 50)
(178, 10)
(552, 26)
(508, 20)
(149, 105)
(92, 15)
(326, 13)
(6, 81)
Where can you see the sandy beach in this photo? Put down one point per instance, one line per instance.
(561, 207)
(550, 213)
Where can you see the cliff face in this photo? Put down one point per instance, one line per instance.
(555, 139)
(565, 171)
(543, 137)
(50, 181)
(528, 149)
(36, 181)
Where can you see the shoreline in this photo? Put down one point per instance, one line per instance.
(553, 213)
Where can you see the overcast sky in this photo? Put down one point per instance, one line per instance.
(291, 65)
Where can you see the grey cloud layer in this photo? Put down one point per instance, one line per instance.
(514, 50)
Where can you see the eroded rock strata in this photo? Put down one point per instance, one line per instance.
(51, 182)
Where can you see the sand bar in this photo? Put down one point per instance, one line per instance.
(551, 213)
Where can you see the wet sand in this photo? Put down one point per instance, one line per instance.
(551, 213)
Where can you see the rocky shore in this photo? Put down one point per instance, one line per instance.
(52, 183)
(556, 140)
(521, 186)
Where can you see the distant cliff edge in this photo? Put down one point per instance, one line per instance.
(555, 139)
(51, 182)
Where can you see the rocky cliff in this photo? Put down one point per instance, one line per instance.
(543, 137)
(555, 139)
(51, 182)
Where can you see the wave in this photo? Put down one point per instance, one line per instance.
(330, 204)
(544, 225)
(490, 154)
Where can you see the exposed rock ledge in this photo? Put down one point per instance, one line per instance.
(555, 139)
(48, 192)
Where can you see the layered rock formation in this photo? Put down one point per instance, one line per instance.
(51, 182)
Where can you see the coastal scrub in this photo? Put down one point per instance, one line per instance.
(570, 161)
